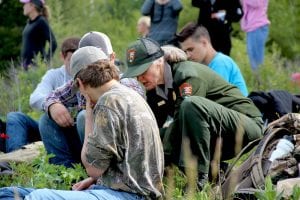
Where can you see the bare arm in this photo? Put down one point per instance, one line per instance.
(90, 169)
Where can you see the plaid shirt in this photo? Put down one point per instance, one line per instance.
(65, 96)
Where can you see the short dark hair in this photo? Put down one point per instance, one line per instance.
(69, 45)
(193, 30)
(98, 73)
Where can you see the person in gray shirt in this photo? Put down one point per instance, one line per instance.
(22, 129)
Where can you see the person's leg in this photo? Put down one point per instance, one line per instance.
(251, 49)
(92, 194)
(59, 141)
(200, 120)
(256, 41)
(80, 124)
(262, 35)
(11, 193)
(21, 130)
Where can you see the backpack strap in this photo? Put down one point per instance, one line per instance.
(257, 172)
(247, 148)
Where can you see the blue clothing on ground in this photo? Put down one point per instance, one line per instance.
(21, 130)
(228, 69)
(8, 193)
(96, 192)
(256, 45)
(64, 143)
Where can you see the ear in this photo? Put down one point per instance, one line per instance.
(62, 57)
(204, 41)
(112, 57)
(80, 84)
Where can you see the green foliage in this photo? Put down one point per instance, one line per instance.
(118, 19)
(269, 193)
(41, 174)
(16, 87)
(274, 74)
(284, 29)
(296, 193)
(10, 32)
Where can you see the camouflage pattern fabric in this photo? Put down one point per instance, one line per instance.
(125, 143)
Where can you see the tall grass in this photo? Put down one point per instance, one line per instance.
(117, 18)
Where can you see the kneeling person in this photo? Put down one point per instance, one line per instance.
(205, 106)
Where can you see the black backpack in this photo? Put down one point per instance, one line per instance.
(244, 181)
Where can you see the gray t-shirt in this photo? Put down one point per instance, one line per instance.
(125, 143)
(53, 79)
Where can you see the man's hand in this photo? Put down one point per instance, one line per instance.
(84, 184)
(173, 54)
(220, 15)
(61, 115)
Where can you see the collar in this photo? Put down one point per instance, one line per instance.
(168, 78)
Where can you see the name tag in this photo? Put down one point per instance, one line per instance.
(161, 103)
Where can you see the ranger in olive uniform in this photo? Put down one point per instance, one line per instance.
(206, 106)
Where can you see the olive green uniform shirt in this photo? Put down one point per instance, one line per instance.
(206, 83)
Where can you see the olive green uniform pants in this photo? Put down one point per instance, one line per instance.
(202, 121)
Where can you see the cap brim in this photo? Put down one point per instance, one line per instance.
(135, 71)
(24, 1)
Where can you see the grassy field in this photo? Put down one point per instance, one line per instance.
(16, 86)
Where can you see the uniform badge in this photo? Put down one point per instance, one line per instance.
(161, 103)
(131, 55)
(185, 90)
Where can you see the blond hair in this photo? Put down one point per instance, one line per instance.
(144, 20)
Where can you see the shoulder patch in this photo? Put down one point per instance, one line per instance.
(185, 90)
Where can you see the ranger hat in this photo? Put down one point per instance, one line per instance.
(140, 55)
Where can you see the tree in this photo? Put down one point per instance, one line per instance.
(10, 32)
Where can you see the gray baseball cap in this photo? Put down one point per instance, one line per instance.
(97, 39)
(85, 56)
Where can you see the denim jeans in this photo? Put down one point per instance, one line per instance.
(256, 41)
(64, 143)
(21, 130)
(95, 193)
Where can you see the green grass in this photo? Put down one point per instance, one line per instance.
(105, 16)
(40, 174)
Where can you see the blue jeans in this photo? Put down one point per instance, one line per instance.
(256, 41)
(21, 130)
(95, 193)
(64, 143)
